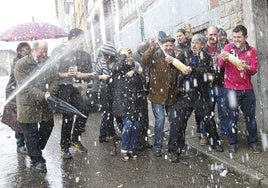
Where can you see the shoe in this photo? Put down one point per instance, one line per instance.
(78, 145)
(22, 150)
(233, 148)
(224, 139)
(104, 139)
(124, 157)
(41, 167)
(254, 148)
(174, 158)
(203, 141)
(147, 145)
(66, 154)
(139, 147)
(217, 147)
(116, 137)
(158, 153)
(132, 156)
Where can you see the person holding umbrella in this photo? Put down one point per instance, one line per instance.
(10, 110)
(31, 101)
(71, 68)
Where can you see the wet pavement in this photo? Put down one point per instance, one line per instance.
(98, 168)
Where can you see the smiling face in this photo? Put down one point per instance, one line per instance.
(239, 39)
(181, 38)
(212, 36)
(168, 47)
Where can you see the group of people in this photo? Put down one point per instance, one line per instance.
(126, 82)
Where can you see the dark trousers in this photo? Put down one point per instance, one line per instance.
(20, 139)
(72, 95)
(247, 101)
(144, 120)
(36, 137)
(184, 109)
(107, 118)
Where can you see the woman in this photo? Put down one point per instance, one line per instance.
(10, 110)
(125, 85)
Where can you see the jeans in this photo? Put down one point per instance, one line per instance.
(129, 134)
(247, 101)
(159, 114)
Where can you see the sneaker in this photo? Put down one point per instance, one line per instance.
(158, 153)
(254, 148)
(78, 145)
(203, 141)
(66, 154)
(116, 137)
(104, 139)
(147, 145)
(132, 156)
(22, 150)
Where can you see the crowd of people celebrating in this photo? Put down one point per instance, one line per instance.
(215, 72)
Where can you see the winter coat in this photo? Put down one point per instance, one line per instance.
(200, 84)
(124, 90)
(162, 77)
(10, 110)
(31, 104)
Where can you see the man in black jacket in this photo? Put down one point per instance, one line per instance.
(195, 96)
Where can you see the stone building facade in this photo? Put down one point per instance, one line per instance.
(127, 22)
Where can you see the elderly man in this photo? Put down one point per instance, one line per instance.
(195, 96)
(31, 101)
(163, 81)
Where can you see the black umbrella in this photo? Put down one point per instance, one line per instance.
(62, 106)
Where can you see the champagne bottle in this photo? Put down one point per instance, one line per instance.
(236, 61)
(179, 65)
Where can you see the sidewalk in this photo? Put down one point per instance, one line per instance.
(252, 168)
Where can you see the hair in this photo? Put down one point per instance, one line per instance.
(21, 45)
(75, 32)
(143, 46)
(183, 31)
(199, 37)
(221, 31)
(241, 28)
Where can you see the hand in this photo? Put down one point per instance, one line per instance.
(140, 70)
(169, 59)
(104, 77)
(154, 42)
(47, 94)
(224, 55)
(130, 73)
(72, 71)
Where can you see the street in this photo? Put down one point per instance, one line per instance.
(98, 168)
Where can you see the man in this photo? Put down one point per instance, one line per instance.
(216, 90)
(142, 140)
(72, 69)
(195, 96)
(239, 88)
(163, 82)
(31, 101)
